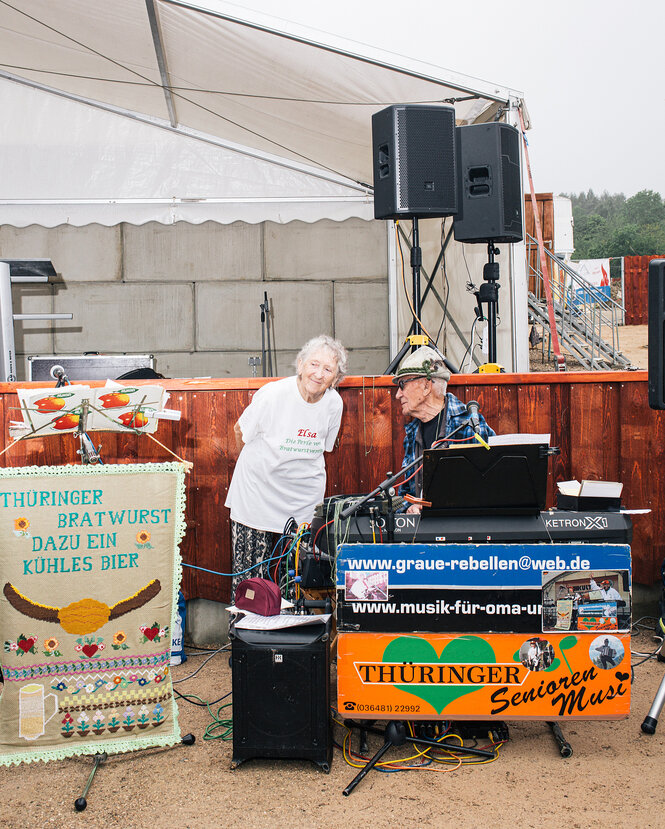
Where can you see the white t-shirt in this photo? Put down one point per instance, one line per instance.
(281, 470)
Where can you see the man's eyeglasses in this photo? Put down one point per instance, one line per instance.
(402, 383)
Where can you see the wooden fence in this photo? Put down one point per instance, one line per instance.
(600, 420)
(545, 205)
(636, 288)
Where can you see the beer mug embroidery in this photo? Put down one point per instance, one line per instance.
(32, 710)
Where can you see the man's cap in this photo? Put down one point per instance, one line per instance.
(423, 362)
(606, 581)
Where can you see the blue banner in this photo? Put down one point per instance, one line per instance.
(470, 565)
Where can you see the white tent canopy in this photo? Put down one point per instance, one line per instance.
(226, 118)
(124, 170)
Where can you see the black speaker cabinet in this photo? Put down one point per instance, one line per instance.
(489, 185)
(281, 694)
(657, 333)
(414, 162)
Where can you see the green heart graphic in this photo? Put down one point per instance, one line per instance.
(466, 649)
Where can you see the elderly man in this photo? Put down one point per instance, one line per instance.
(422, 380)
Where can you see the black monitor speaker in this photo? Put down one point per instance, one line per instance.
(281, 694)
(657, 333)
(489, 184)
(414, 162)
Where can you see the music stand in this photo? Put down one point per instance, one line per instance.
(470, 480)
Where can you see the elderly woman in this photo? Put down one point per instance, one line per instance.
(282, 436)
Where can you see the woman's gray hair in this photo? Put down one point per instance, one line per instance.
(334, 346)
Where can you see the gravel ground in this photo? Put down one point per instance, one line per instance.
(612, 779)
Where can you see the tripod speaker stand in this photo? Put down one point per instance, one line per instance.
(488, 294)
(416, 339)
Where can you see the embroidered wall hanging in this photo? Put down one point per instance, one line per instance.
(89, 574)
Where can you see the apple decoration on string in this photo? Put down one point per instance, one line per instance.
(68, 421)
(133, 419)
(116, 400)
(50, 404)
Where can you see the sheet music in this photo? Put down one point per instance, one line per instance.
(518, 439)
(252, 621)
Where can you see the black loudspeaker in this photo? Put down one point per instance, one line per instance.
(657, 333)
(489, 185)
(414, 162)
(281, 694)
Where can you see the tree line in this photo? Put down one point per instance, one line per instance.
(612, 225)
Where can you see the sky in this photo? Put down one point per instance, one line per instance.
(592, 73)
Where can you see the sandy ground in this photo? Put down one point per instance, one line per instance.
(612, 779)
(633, 343)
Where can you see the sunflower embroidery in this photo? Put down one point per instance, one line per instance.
(143, 540)
(120, 641)
(51, 646)
(21, 527)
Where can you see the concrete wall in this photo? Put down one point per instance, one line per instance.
(190, 294)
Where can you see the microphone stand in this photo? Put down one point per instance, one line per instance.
(390, 480)
(264, 307)
(489, 293)
(384, 486)
(265, 337)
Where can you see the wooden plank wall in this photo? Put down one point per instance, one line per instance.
(600, 420)
(545, 202)
(636, 288)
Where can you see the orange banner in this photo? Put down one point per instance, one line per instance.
(484, 676)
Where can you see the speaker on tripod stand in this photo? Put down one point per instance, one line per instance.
(414, 162)
(489, 184)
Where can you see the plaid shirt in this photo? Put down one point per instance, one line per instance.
(456, 417)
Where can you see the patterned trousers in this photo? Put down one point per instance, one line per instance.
(249, 546)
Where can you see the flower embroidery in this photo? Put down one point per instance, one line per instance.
(24, 644)
(21, 528)
(154, 632)
(143, 540)
(83, 721)
(90, 645)
(120, 641)
(51, 646)
(67, 726)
